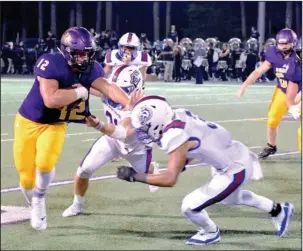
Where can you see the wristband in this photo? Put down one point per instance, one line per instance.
(99, 126)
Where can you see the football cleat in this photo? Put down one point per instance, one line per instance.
(73, 210)
(282, 220)
(38, 213)
(204, 238)
(268, 150)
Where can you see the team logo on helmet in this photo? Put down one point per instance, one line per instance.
(145, 115)
(135, 78)
(67, 37)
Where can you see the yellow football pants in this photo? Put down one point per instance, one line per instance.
(277, 108)
(300, 139)
(36, 146)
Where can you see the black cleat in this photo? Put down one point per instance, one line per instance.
(268, 150)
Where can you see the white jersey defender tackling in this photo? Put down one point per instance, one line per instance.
(184, 137)
(117, 142)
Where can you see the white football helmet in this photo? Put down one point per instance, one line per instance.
(150, 116)
(131, 41)
(128, 78)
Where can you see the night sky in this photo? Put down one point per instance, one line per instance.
(134, 16)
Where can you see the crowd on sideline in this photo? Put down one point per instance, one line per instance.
(173, 59)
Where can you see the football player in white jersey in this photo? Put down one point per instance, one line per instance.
(119, 142)
(184, 137)
(127, 54)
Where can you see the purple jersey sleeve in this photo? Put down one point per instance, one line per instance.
(47, 66)
(270, 54)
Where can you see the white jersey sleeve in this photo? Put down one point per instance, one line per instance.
(174, 136)
(113, 58)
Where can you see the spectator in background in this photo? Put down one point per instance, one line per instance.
(92, 31)
(113, 40)
(224, 56)
(198, 57)
(50, 42)
(173, 35)
(210, 59)
(19, 57)
(43, 45)
(254, 33)
(145, 44)
(168, 59)
(5, 53)
(177, 63)
(10, 57)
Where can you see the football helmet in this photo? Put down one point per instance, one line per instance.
(78, 47)
(150, 116)
(129, 79)
(129, 40)
(286, 40)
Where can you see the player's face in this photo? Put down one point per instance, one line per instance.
(81, 57)
(128, 50)
(284, 47)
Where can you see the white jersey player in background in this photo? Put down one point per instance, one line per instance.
(184, 137)
(127, 54)
(119, 143)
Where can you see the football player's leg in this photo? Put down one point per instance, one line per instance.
(300, 139)
(25, 136)
(101, 152)
(49, 147)
(276, 111)
(142, 164)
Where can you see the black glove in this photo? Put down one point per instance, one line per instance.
(126, 173)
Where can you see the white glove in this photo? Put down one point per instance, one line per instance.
(81, 92)
(295, 111)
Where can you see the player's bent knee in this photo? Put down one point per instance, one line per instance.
(83, 173)
(27, 181)
(272, 123)
(46, 163)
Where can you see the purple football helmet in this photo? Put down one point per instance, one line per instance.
(286, 40)
(78, 48)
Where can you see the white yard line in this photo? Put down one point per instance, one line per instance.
(113, 176)
(4, 134)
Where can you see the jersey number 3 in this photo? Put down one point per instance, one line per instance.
(74, 113)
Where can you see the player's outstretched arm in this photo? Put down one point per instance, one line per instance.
(176, 163)
(54, 97)
(257, 73)
(119, 132)
(114, 92)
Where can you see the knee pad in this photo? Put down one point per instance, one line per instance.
(27, 180)
(82, 173)
(46, 163)
(272, 122)
(185, 206)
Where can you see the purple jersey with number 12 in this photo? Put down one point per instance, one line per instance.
(54, 66)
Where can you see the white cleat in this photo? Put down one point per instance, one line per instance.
(73, 210)
(282, 220)
(204, 238)
(38, 213)
(153, 188)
